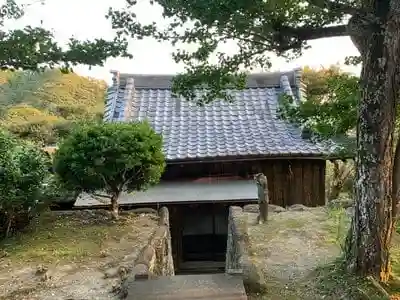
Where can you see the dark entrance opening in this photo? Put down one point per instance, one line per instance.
(204, 229)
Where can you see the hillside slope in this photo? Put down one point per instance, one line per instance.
(42, 106)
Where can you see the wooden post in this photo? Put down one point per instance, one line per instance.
(263, 198)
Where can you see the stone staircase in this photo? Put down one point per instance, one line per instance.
(188, 287)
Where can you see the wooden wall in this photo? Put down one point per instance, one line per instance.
(297, 181)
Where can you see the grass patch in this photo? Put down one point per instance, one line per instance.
(333, 282)
(336, 226)
(294, 223)
(71, 237)
(326, 228)
(395, 255)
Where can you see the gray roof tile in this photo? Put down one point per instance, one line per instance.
(248, 126)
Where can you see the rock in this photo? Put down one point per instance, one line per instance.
(103, 253)
(123, 272)
(341, 203)
(298, 207)
(3, 253)
(350, 211)
(111, 273)
(120, 272)
(144, 210)
(141, 272)
(276, 208)
(122, 290)
(43, 273)
(253, 279)
(253, 208)
(117, 290)
(41, 269)
(131, 257)
(46, 276)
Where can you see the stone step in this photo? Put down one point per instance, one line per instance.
(190, 287)
(201, 267)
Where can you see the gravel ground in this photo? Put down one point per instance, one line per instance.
(79, 257)
(289, 248)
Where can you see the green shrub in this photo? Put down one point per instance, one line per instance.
(57, 195)
(110, 158)
(23, 169)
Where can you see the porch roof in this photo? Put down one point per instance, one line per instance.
(185, 191)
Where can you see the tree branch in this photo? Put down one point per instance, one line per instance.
(311, 33)
(101, 198)
(334, 6)
(291, 38)
(101, 195)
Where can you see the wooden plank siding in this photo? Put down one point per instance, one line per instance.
(290, 181)
(295, 181)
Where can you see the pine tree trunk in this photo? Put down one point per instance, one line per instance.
(369, 238)
(114, 206)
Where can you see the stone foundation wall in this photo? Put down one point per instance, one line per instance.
(154, 259)
(238, 252)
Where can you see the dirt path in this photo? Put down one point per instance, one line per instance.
(291, 246)
(72, 255)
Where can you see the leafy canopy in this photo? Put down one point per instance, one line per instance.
(330, 109)
(23, 168)
(257, 26)
(112, 157)
(33, 48)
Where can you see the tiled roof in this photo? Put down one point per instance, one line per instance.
(249, 126)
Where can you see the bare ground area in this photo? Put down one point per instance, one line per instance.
(72, 255)
(298, 253)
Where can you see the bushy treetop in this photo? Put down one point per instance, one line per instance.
(112, 157)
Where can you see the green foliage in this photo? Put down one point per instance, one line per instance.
(333, 281)
(316, 80)
(330, 110)
(57, 194)
(17, 86)
(34, 48)
(42, 107)
(331, 106)
(257, 26)
(110, 157)
(339, 182)
(23, 168)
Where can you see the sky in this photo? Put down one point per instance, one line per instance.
(84, 19)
